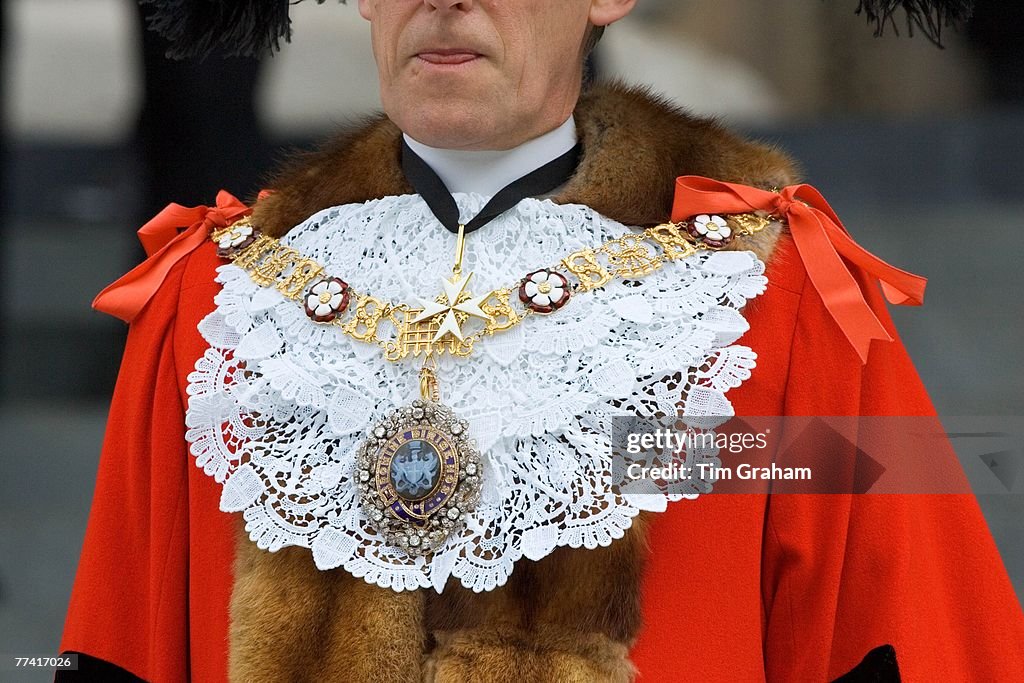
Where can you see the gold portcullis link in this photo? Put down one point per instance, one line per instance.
(416, 338)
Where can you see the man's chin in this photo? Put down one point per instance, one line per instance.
(454, 127)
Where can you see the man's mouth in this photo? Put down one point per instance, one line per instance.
(448, 57)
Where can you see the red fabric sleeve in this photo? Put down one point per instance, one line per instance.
(150, 594)
(843, 574)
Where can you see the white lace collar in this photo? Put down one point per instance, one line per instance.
(281, 432)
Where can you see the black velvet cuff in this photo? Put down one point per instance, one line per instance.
(93, 669)
(878, 666)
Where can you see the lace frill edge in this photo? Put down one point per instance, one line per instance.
(213, 403)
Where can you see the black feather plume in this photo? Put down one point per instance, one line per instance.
(197, 28)
(930, 16)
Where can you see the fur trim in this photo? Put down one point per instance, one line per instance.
(292, 622)
(634, 147)
(571, 616)
(543, 654)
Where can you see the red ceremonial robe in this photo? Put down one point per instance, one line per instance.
(738, 587)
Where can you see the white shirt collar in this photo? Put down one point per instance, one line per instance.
(487, 172)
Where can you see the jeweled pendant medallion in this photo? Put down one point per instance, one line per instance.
(418, 476)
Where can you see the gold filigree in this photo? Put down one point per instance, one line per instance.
(365, 318)
(248, 258)
(276, 262)
(585, 266)
(268, 261)
(630, 257)
(748, 223)
(303, 273)
(417, 337)
(674, 243)
(503, 315)
(232, 229)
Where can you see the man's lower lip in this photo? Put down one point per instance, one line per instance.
(435, 59)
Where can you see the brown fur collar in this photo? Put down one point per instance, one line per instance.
(569, 617)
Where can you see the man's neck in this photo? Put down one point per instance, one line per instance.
(487, 172)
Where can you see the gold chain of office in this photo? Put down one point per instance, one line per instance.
(444, 324)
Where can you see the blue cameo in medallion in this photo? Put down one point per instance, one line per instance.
(415, 469)
(418, 477)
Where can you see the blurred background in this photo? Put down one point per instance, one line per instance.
(920, 150)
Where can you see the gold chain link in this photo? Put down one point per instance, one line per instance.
(628, 257)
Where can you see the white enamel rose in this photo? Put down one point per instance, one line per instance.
(325, 297)
(544, 288)
(712, 227)
(235, 236)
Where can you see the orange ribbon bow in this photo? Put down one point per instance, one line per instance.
(821, 239)
(166, 244)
